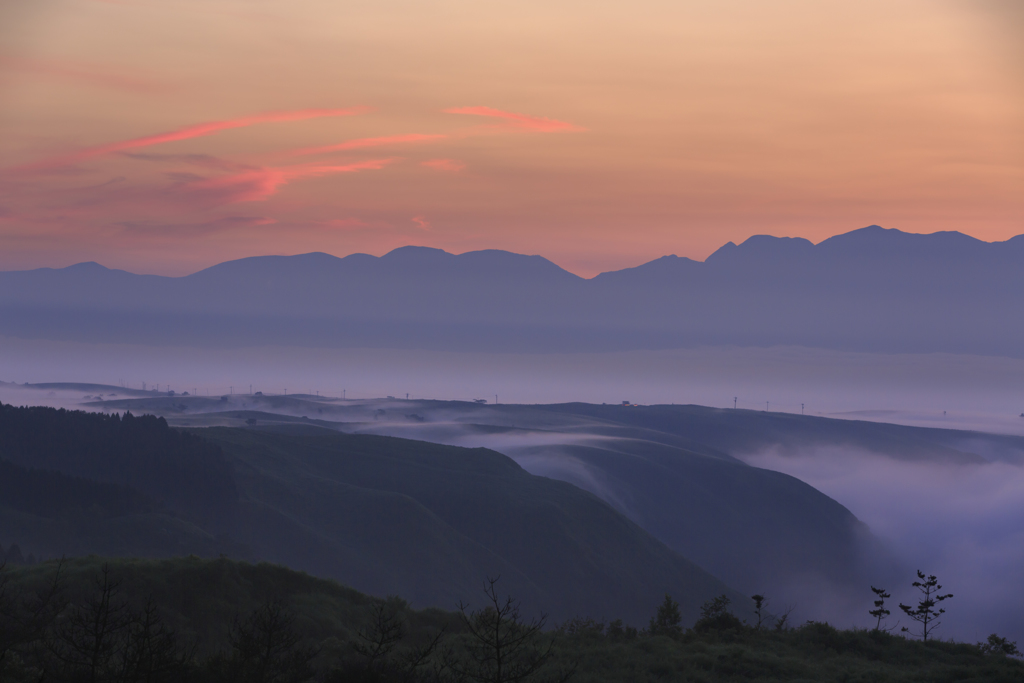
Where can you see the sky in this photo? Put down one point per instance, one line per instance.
(164, 137)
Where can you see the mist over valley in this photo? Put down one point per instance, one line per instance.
(864, 502)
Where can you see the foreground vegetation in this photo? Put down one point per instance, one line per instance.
(200, 620)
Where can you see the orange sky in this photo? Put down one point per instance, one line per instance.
(168, 136)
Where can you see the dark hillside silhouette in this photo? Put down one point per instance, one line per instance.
(47, 493)
(176, 469)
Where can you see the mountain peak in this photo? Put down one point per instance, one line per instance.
(875, 241)
(664, 269)
(87, 266)
(415, 252)
(762, 247)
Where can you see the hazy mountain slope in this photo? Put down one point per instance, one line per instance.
(696, 498)
(869, 290)
(428, 521)
(668, 468)
(758, 530)
(739, 432)
(384, 515)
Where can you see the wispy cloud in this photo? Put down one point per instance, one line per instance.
(538, 124)
(258, 184)
(189, 132)
(242, 221)
(361, 143)
(443, 164)
(422, 222)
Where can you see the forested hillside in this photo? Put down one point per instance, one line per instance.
(176, 469)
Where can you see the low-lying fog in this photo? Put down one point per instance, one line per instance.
(961, 522)
(970, 392)
(964, 522)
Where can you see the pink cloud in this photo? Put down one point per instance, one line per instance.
(188, 132)
(538, 124)
(258, 184)
(443, 164)
(422, 222)
(360, 143)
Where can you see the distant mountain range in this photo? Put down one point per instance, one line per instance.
(868, 290)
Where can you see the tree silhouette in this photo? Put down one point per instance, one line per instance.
(151, 651)
(667, 621)
(760, 610)
(996, 645)
(266, 649)
(925, 612)
(502, 647)
(378, 643)
(880, 612)
(88, 641)
(715, 616)
(26, 616)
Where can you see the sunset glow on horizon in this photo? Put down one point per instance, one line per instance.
(167, 137)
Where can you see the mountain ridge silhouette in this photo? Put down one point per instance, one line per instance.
(872, 289)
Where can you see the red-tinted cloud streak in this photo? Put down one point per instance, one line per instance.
(258, 184)
(188, 132)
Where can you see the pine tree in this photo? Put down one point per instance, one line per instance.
(500, 646)
(667, 621)
(880, 612)
(925, 612)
